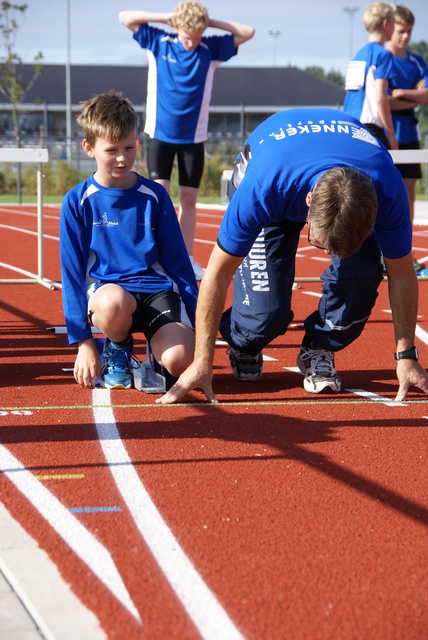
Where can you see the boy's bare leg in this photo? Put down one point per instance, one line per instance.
(112, 308)
(187, 215)
(173, 346)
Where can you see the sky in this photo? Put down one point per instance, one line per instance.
(298, 33)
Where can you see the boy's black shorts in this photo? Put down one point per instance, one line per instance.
(154, 310)
(190, 160)
(410, 170)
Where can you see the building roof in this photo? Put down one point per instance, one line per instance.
(255, 87)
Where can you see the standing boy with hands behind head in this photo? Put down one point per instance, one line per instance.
(124, 265)
(179, 85)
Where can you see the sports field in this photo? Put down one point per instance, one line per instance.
(273, 515)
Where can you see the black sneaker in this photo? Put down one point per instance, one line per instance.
(317, 365)
(245, 366)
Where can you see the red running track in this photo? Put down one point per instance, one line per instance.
(272, 515)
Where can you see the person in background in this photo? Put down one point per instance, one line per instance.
(124, 264)
(409, 89)
(180, 77)
(368, 74)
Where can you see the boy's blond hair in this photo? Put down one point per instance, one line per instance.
(403, 16)
(109, 116)
(190, 16)
(375, 14)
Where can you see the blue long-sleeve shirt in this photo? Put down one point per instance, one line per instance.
(130, 237)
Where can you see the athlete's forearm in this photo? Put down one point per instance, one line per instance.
(242, 32)
(133, 19)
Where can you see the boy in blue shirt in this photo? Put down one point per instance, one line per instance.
(124, 265)
(368, 74)
(409, 89)
(179, 85)
(320, 167)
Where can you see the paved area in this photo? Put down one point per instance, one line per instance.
(35, 602)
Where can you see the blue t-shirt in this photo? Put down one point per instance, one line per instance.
(373, 62)
(130, 237)
(289, 152)
(179, 83)
(407, 73)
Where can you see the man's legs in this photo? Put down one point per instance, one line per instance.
(262, 290)
(349, 293)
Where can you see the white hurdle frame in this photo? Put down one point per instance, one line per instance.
(31, 156)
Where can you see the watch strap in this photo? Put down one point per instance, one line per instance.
(410, 354)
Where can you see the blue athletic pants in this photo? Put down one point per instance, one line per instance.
(261, 307)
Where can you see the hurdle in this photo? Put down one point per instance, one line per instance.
(399, 156)
(40, 156)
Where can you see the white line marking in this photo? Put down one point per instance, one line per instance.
(68, 527)
(211, 242)
(421, 334)
(360, 392)
(28, 213)
(376, 398)
(312, 293)
(200, 603)
(28, 232)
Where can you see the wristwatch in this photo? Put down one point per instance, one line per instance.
(410, 354)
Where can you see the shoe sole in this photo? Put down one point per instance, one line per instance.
(105, 385)
(327, 386)
(248, 377)
(332, 385)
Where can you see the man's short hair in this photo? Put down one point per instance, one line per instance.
(403, 16)
(343, 210)
(109, 116)
(375, 14)
(190, 16)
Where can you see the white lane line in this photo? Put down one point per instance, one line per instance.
(83, 543)
(361, 392)
(421, 334)
(200, 603)
(374, 397)
(28, 232)
(28, 213)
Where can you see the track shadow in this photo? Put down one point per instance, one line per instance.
(287, 438)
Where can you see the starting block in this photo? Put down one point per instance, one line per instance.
(146, 378)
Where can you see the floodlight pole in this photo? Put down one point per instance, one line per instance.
(351, 11)
(68, 87)
(274, 35)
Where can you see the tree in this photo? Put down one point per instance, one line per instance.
(332, 76)
(12, 86)
(421, 48)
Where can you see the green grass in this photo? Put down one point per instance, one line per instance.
(12, 199)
